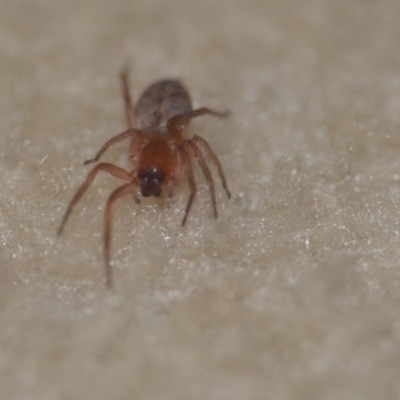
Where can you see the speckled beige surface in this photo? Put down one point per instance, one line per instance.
(293, 293)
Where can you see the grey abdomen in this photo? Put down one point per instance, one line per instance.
(160, 102)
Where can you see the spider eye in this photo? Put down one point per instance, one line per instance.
(151, 181)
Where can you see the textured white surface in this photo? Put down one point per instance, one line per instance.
(293, 292)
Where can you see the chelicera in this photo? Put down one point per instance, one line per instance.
(160, 154)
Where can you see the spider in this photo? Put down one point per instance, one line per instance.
(158, 151)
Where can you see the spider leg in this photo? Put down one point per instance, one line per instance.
(123, 190)
(111, 169)
(130, 113)
(183, 119)
(192, 183)
(204, 144)
(200, 159)
(128, 133)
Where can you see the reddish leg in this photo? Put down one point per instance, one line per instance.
(204, 144)
(183, 119)
(112, 141)
(111, 169)
(118, 193)
(192, 183)
(130, 114)
(200, 159)
(177, 123)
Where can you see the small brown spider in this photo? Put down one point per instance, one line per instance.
(160, 154)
